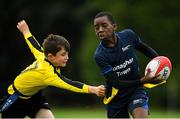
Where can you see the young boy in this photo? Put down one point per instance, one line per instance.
(25, 91)
(116, 57)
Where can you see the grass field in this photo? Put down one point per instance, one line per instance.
(87, 112)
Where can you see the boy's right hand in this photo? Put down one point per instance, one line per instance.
(23, 27)
(100, 91)
(148, 79)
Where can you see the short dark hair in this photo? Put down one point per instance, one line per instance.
(54, 43)
(107, 14)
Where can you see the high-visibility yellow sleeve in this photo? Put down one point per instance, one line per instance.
(34, 46)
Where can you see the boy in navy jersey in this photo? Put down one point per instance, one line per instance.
(117, 60)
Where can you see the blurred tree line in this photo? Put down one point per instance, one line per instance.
(156, 22)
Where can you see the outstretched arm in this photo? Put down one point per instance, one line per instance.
(76, 86)
(117, 83)
(33, 44)
(147, 50)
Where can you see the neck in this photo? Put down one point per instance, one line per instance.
(111, 42)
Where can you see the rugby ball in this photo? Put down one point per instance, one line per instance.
(161, 66)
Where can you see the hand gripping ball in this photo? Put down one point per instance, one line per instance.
(161, 66)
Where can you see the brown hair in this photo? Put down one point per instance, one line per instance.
(54, 43)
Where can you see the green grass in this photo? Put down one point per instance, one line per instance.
(82, 112)
(87, 112)
(155, 113)
(100, 112)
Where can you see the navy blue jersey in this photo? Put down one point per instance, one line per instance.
(120, 67)
(120, 59)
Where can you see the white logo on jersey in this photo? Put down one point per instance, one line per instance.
(125, 48)
(123, 65)
(120, 73)
(137, 101)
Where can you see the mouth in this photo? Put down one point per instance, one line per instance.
(64, 62)
(101, 35)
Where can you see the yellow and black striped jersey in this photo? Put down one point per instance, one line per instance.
(41, 74)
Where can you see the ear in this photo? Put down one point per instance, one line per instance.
(50, 57)
(115, 26)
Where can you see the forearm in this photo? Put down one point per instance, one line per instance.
(33, 44)
(77, 86)
(114, 80)
(74, 86)
(125, 83)
(26, 36)
(91, 89)
(148, 51)
(24, 29)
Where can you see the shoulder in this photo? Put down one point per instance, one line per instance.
(129, 35)
(99, 54)
(127, 32)
(46, 67)
(98, 50)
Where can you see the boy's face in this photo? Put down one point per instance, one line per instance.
(104, 28)
(60, 59)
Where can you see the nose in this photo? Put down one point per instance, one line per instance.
(67, 57)
(100, 28)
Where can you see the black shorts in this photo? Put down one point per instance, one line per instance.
(121, 107)
(26, 107)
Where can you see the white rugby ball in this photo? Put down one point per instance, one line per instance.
(161, 66)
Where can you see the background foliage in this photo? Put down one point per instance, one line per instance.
(157, 22)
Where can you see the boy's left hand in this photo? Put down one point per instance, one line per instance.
(23, 27)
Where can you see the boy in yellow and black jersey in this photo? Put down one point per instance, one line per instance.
(25, 92)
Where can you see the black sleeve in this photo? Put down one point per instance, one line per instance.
(73, 83)
(146, 50)
(117, 83)
(35, 43)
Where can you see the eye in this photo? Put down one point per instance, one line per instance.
(105, 25)
(63, 54)
(96, 27)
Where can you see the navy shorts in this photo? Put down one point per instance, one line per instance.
(121, 107)
(26, 107)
